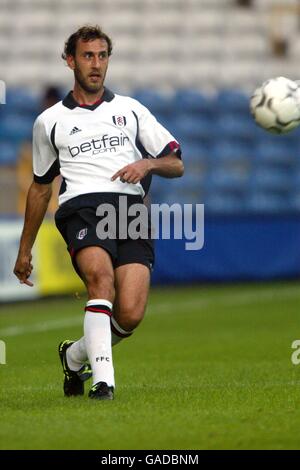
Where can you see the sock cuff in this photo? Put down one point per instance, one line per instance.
(99, 301)
(117, 330)
(99, 306)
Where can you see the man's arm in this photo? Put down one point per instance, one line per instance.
(169, 166)
(36, 205)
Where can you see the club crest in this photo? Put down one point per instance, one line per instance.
(81, 234)
(119, 121)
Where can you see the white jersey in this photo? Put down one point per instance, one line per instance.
(88, 144)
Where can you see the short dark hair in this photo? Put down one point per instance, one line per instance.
(86, 33)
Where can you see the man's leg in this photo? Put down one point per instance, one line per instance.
(96, 270)
(132, 283)
(132, 287)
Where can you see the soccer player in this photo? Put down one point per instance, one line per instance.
(104, 146)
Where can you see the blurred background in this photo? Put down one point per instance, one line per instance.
(194, 64)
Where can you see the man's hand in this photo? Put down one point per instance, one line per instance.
(23, 269)
(36, 205)
(134, 172)
(169, 166)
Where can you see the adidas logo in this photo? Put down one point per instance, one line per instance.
(74, 130)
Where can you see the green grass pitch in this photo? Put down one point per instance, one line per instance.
(209, 368)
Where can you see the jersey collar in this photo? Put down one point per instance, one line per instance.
(71, 103)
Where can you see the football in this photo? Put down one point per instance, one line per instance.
(275, 105)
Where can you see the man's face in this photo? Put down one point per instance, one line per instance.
(90, 64)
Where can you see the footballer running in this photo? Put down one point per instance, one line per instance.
(104, 146)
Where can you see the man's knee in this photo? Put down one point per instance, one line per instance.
(99, 282)
(96, 277)
(129, 316)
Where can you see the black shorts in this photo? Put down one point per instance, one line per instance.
(77, 221)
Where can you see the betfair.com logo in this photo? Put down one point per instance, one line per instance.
(2, 92)
(95, 146)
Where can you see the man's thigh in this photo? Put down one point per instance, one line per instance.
(132, 282)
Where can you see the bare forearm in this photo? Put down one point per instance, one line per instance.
(37, 202)
(169, 166)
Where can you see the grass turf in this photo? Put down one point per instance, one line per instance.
(209, 368)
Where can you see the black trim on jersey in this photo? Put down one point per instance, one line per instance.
(70, 102)
(145, 182)
(138, 143)
(63, 187)
(48, 177)
(52, 138)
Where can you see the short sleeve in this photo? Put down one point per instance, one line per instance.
(45, 158)
(155, 139)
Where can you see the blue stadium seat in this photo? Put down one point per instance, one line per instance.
(291, 139)
(186, 190)
(275, 152)
(192, 196)
(232, 150)
(221, 179)
(235, 126)
(189, 180)
(15, 127)
(220, 203)
(8, 153)
(159, 104)
(165, 120)
(267, 202)
(193, 129)
(194, 152)
(296, 177)
(22, 100)
(295, 201)
(272, 180)
(160, 189)
(192, 101)
(232, 100)
(158, 184)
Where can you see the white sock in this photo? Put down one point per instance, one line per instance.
(117, 333)
(97, 336)
(77, 355)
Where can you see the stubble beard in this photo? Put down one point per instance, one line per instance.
(94, 89)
